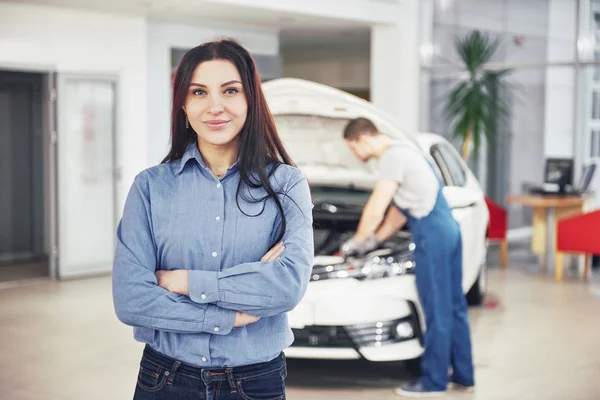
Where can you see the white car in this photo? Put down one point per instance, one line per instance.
(365, 307)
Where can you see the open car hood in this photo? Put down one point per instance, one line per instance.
(310, 119)
(291, 96)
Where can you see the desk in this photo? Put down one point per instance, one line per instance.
(547, 210)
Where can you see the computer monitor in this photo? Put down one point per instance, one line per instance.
(559, 171)
(586, 178)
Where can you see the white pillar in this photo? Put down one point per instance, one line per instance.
(395, 66)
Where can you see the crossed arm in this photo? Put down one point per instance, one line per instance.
(176, 281)
(222, 299)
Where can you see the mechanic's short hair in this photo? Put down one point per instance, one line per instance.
(358, 127)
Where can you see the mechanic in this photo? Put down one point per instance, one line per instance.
(408, 181)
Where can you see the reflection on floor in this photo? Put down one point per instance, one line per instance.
(61, 341)
(12, 274)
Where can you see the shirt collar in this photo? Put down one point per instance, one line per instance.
(192, 152)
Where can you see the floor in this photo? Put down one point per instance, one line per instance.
(12, 274)
(536, 339)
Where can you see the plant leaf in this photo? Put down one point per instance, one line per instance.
(474, 103)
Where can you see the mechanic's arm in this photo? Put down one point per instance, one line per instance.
(266, 288)
(394, 220)
(138, 300)
(375, 208)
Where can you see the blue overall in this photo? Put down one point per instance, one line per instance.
(438, 258)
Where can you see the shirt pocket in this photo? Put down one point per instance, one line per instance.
(254, 231)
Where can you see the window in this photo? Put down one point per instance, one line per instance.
(596, 105)
(453, 170)
(595, 143)
(441, 164)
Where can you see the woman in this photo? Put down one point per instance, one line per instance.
(215, 244)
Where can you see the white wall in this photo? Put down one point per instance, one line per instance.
(341, 66)
(559, 132)
(162, 36)
(395, 66)
(344, 74)
(82, 42)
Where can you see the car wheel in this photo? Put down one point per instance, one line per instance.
(477, 293)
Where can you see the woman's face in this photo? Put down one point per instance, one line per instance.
(216, 105)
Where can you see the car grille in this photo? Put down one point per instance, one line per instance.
(322, 336)
(351, 336)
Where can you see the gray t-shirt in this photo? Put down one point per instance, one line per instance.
(419, 185)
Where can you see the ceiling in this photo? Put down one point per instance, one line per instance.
(296, 30)
(202, 11)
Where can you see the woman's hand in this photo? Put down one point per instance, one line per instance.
(243, 319)
(274, 253)
(175, 281)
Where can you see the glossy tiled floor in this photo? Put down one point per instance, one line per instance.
(61, 341)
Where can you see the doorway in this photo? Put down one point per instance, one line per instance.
(24, 238)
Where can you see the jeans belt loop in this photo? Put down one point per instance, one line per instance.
(173, 370)
(229, 374)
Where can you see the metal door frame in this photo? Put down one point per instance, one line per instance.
(48, 73)
(60, 81)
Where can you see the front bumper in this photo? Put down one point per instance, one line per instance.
(380, 341)
(394, 352)
(378, 320)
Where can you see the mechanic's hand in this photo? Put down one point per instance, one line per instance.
(243, 319)
(175, 281)
(370, 244)
(274, 253)
(353, 247)
(348, 247)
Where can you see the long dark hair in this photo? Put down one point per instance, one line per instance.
(260, 145)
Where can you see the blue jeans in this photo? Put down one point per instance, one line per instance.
(162, 377)
(438, 272)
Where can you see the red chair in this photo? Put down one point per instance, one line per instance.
(579, 234)
(498, 228)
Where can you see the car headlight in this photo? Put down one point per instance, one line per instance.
(372, 266)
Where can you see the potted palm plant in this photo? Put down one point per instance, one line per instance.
(473, 106)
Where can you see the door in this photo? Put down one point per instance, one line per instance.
(21, 163)
(86, 174)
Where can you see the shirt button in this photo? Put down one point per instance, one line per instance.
(218, 218)
(204, 359)
(218, 185)
(203, 297)
(216, 329)
(214, 254)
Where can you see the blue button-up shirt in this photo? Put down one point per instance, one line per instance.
(178, 215)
